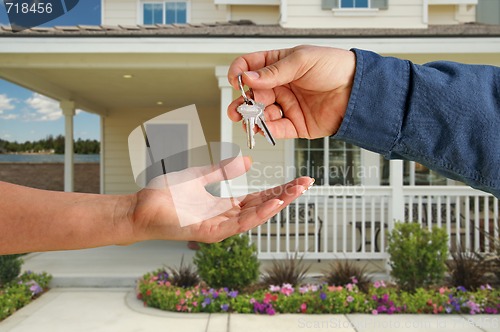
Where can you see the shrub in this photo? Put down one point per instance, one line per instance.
(467, 269)
(286, 271)
(231, 263)
(10, 267)
(184, 276)
(346, 272)
(417, 255)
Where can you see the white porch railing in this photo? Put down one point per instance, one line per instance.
(353, 222)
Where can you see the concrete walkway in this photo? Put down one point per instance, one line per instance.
(93, 290)
(117, 310)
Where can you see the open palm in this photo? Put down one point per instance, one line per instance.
(178, 207)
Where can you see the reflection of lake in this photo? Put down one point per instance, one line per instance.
(46, 158)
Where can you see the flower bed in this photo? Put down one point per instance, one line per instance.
(21, 291)
(156, 290)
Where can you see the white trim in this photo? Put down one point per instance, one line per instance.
(101, 155)
(289, 159)
(283, 11)
(137, 45)
(355, 11)
(425, 12)
(102, 12)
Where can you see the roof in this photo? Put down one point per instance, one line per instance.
(247, 29)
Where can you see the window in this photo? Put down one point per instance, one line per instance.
(166, 12)
(354, 3)
(414, 174)
(328, 161)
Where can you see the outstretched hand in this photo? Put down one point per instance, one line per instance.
(178, 207)
(306, 89)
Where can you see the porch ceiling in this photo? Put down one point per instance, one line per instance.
(96, 82)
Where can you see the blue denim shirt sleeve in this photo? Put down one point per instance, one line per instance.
(443, 115)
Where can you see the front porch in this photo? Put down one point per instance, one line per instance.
(354, 222)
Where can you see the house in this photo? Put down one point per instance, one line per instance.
(150, 57)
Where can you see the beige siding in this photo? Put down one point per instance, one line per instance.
(400, 14)
(204, 11)
(257, 14)
(128, 12)
(451, 14)
(115, 12)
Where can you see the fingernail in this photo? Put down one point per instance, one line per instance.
(253, 75)
(281, 202)
(311, 184)
(304, 191)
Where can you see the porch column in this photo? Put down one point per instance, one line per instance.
(68, 109)
(396, 182)
(226, 97)
(226, 126)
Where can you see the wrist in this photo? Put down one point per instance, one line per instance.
(125, 227)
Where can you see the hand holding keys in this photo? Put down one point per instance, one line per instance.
(253, 114)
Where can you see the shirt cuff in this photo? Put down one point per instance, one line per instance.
(376, 107)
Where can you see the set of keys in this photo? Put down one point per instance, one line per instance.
(253, 115)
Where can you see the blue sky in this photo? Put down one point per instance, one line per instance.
(25, 115)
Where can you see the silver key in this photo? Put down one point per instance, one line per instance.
(253, 114)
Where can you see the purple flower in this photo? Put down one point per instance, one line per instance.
(224, 307)
(233, 294)
(461, 289)
(354, 280)
(206, 302)
(35, 288)
(322, 296)
(270, 311)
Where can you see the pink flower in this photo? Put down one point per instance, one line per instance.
(182, 301)
(303, 307)
(374, 312)
(177, 292)
(273, 288)
(442, 290)
(349, 299)
(349, 287)
(376, 284)
(178, 307)
(303, 289)
(195, 304)
(189, 294)
(354, 280)
(287, 289)
(167, 283)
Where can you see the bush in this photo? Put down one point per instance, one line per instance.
(10, 267)
(288, 271)
(417, 255)
(231, 263)
(26, 287)
(468, 269)
(346, 272)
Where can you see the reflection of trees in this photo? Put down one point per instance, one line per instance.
(50, 144)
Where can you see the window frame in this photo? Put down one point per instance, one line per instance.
(140, 10)
(290, 160)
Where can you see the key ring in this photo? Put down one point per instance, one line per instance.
(243, 93)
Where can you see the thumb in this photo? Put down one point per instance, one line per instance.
(279, 73)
